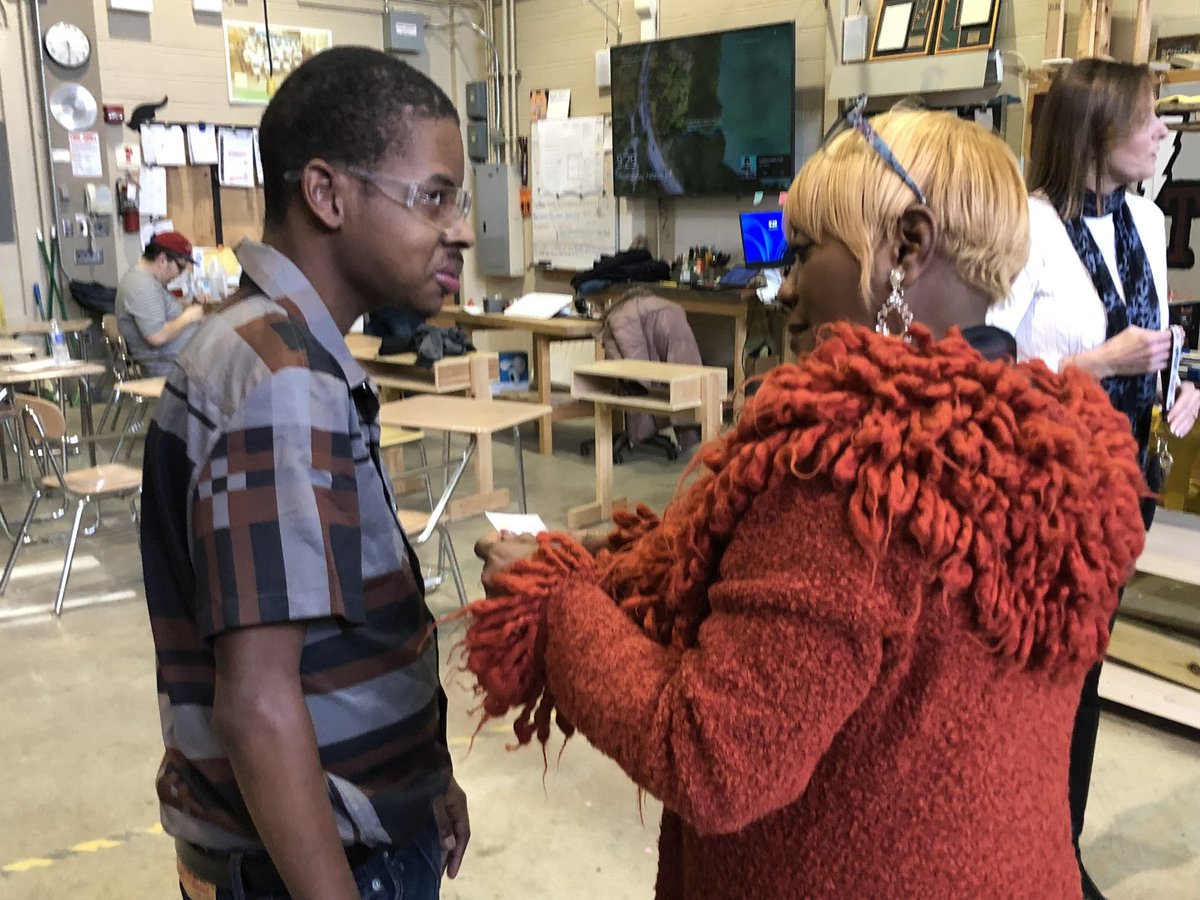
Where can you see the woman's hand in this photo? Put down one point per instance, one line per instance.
(1182, 417)
(499, 551)
(1135, 351)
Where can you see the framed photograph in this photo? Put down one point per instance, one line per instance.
(253, 73)
(967, 25)
(904, 28)
(1166, 47)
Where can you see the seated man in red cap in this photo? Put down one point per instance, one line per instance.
(153, 323)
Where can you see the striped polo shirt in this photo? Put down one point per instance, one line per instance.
(264, 501)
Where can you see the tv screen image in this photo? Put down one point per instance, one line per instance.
(764, 241)
(705, 114)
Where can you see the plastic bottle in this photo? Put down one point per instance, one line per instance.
(215, 273)
(58, 344)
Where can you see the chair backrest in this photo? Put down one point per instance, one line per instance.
(44, 415)
(111, 331)
(122, 363)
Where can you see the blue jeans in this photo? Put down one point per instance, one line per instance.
(409, 873)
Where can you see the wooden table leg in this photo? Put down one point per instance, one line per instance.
(541, 369)
(712, 392)
(602, 509)
(739, 354)
(486, 497)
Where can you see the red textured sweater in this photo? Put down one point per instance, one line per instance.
(848, 658)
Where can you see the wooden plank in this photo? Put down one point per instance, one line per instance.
(1095, 28)
(1170, 550)
(1056, 29)
(1141, 32)
(1155, 651)
(1140, 690)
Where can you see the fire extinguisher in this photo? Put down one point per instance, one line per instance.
(131, 222)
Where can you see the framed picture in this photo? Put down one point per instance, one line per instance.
(904, 28)
(1166, 47)
(967, 25)
(253, 73)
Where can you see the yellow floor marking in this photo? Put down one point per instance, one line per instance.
(93, 846)
(24, 865)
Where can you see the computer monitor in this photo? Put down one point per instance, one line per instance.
(764, 243)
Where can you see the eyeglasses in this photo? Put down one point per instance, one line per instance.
(853, 117)
(441, 207)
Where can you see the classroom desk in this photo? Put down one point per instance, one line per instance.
(735, 304)
(545, 332)
(10, 348)
(75, 327)
(470, 416)
(472, 373)
(1147, 667)
(673, 388)
(139, 392)
(20, 373)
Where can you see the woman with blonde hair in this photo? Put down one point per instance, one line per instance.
(847, 656)
(1094, 293)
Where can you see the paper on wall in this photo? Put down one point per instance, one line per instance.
(236, 147)
(257, 159)
(128, 157)
(86, 160)
(893, 30)
(558, 105)
(202, 144)
(152, 198)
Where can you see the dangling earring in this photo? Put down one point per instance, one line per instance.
(894, 304)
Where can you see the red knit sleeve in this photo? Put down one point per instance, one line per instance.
(731, 729)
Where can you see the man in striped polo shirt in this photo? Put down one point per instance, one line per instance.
(302, 712)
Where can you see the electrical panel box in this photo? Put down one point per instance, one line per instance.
(477, 100)
(477, 141)
(403, 31)
(499, 231)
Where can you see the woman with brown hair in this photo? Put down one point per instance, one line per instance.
(847, 656)
(1094, 292)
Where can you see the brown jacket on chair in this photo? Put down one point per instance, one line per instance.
(644, 326)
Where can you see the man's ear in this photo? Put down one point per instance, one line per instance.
(915, 241)
(323, 189)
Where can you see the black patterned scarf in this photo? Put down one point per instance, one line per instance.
(1131, 394)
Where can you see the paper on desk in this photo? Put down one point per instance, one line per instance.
(538, 305)
(517, 523)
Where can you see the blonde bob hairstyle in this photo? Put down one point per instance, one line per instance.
(847, 192)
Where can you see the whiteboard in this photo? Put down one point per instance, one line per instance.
(574, 208)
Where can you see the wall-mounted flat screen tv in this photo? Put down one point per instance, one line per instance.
(705, 115)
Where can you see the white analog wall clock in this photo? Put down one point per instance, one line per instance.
(67, 45)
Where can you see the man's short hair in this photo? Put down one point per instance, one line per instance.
(348, 105)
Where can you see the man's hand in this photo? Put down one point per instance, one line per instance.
(454, 827)
(193, 312)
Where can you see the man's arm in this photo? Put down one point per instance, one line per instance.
(264, 726)
(175, 327)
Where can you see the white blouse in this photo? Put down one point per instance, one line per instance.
(1054, 311)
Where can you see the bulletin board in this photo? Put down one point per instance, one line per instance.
(190, 207)
(574, 208)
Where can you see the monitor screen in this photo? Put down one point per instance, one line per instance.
(707, 114)
(763, 241)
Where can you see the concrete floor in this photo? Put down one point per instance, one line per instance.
(79, 739)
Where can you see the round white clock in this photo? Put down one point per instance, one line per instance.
(67, 45)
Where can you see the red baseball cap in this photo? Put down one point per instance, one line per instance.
(173, 242)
